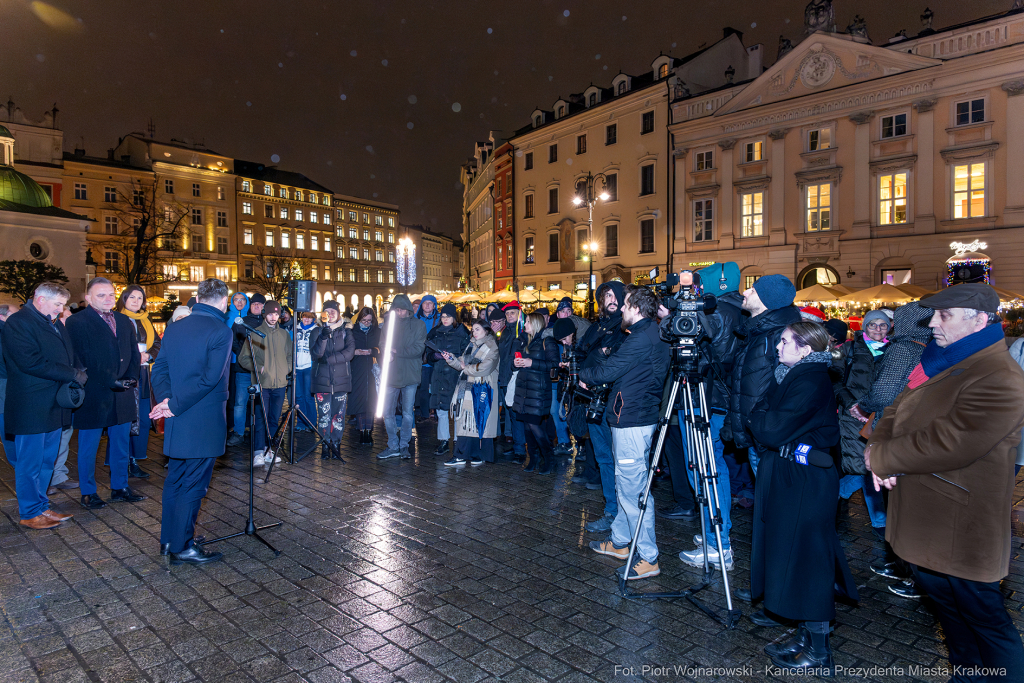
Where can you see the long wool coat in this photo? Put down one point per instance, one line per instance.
(796, 558)
(481, 358)
(106, 360)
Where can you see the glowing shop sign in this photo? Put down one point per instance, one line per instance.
(961, 248)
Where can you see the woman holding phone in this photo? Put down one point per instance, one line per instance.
(477, 364)
(535, 357)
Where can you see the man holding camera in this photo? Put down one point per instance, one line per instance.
(105, 343)
(636, 371)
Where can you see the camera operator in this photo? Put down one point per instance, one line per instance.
(636, 371)
(716, 351)
(601, 340)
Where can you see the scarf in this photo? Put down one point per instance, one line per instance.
(364, 329)
(936, 359)
(875, 347)
(813, 357)
(143, 316)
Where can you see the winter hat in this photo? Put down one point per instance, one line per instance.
(875, 315)
(837, 329)
(563, 328)
(512, 305)
(402, 303)
(332, 304)
(564, 302)
(450, 311)
(271, 307)
(258, 299)
(775, 291)
(812, 314)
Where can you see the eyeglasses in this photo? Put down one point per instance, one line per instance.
(878, 326)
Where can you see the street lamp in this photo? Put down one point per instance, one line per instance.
(586, 191)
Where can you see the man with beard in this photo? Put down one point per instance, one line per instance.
(601, 340)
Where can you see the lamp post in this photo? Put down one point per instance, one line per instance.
(586, 191)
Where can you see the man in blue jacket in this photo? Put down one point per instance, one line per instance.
(637, 374)
(190, 381)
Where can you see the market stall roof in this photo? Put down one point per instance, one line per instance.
(913, 290)
(1007, 295)
(467, 298)
(816, 293)
(556, 294)
(883, 293)
(841, 289)
(528, 296)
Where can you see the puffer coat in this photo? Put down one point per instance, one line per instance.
(443, 379)
(533, 385)
(332, 351)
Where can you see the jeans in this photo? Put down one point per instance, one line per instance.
(271, 401)
(979, 632)
(304, 396)
(118, 438)
(60, 467)
(423, 392)
(601, 438)
(723, 486)
(443, 431)
(560, 429)
(399, 441)
(140, 442)
(238, 408)
(33, 467)
(872, 498)
(630, 448)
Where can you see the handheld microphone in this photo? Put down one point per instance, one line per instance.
(239, 321)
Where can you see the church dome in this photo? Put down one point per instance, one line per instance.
(18, 188)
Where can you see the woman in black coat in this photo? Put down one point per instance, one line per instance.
(452, 338)
(132, 303)
(796, 560)
(532, 403)
(362, 401)
(332, 349)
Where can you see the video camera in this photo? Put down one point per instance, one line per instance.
(685, 307)
(595, 396)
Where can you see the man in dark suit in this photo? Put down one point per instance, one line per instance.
(190, 381)
(105, 344)
(39, 359)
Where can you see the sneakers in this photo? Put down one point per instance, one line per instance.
(234, 439)
(906, 589)
(599, 525)
(641, 569)
(475, 461)
(610, 549)
(678, 512)
(695, 557)
(455, 461)
(387, 453)
(890, 570)
(442, 449)
(257, 459)
(405, 453)
(563, 449)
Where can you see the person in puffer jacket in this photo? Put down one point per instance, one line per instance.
(332, 349)
(304, 368)
(532, 403)
(452, 338)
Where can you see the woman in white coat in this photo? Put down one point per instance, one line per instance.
(479, 364)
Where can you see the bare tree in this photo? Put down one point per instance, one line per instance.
(150, 235)
(272, 272)
(20, 278)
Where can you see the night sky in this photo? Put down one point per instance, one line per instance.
(376, 99)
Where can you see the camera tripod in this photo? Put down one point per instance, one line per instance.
(701, 457)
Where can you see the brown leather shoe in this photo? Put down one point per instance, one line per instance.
(56, 516)
(39, 522)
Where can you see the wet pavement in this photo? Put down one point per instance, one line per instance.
(404, 570)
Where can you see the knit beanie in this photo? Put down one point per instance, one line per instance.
(258, 299)
(564, 302)
(332, 304)
(401, 302)
(837, 329)
(563, 328)
(450, 311)
(271, 307)
(871, 316)
(775, 291)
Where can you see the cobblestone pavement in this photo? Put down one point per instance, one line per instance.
(400, 570)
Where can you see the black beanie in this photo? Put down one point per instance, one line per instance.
(450, 311)
(258, 299)
(563, 327)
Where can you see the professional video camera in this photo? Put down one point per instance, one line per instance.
(570, 391)
(685, 307)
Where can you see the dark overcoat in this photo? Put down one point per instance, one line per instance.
(363, 397)
(454, 340)
(796, 559)
(332, 351)
(106, 360)
(533, 384)
(39, 359)
(192, 371)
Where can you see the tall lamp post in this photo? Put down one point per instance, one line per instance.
(586, 191)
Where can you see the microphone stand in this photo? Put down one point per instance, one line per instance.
(250, 526)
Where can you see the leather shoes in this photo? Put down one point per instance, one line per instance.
(195, 554)
(796, 643)
(743, 594)
(165, 549)
(56, 516)
(39, 522)
(135, 471)
(125, 495)
(679, 512)
(92, 501)
(761, 619)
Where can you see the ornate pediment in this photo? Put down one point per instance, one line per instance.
(821, 62)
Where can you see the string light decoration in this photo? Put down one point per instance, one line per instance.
(405, 262)
(959, 268)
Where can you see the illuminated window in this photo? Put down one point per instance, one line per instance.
(352, 216)
(391, 221)
(703, 219)
(754, 151)
(298, 214)
(353, 253)
(752, 214)
(351, 274)
(327, 219)
(246, 186)
(283, 193)
(366, 218)
(327, 243)
(366, 254)
(312, 197)
(663, 71)
(379, 235)
(819, 207)
(270, 238)
(196, 273)
(314, 242)
(366, 235)
(298, 195)
(391, 238)
(969, 191)
(391, 277)
(171, 271)
(378, 220)
(247, 208)
(247, 236)
(892, 199)
(284, 212)
(268, 190)
(220, 193)
(314, 217)
(366, 274)
(391, 255)
(353, 233)
(327, 269)
(286, 241)
(300, 240)
(313, 273)
(378, 255)
(223, 273)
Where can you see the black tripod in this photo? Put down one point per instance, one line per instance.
(700, 449)
(294, 414)
(250, 527)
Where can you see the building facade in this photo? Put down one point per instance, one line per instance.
(438, 262)
(366, 236)
(617, 137)
(504, 223)
(477, 179)
(853, 163)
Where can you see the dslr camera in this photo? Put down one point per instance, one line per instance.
(686, 308)
(569, 389)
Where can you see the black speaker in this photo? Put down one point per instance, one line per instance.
(302, 295)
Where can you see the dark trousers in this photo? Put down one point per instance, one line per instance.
(184, 489)
(538, 443)
(676, 458)
(140, 441)
(271, 401)
(423, 392)
(118, 439)
(979, 632)
(590, 472)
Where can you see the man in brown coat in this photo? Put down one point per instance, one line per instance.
(946, 448)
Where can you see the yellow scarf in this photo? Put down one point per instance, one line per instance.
(146, 325)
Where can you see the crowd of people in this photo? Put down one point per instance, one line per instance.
(920, 409)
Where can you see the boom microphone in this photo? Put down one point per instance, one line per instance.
(250, 328)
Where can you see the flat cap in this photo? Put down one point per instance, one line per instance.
(976, 295)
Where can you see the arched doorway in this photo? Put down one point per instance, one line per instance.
(355, 302)
(368, 301)
(818, 274)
